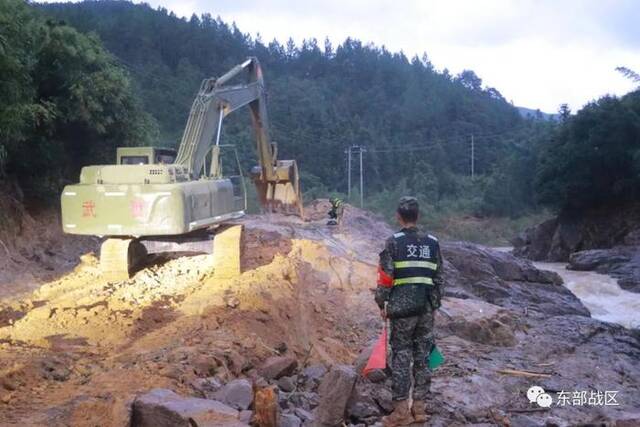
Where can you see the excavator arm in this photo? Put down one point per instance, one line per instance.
(277, 181)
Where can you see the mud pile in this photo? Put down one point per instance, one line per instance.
(80, 350)
(33, 249)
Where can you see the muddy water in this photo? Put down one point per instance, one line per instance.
(601, 294)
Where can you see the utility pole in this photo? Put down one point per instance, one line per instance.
(361, 179)
(348, 151)
(473, 160)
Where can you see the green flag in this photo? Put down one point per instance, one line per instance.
(435, 358)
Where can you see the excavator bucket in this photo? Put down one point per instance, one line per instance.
(281, 194)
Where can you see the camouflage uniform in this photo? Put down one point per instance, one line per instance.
(411, 337)
(337, 209)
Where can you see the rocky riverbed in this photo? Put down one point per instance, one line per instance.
(605, 240)
(284, 343)
(601, 295)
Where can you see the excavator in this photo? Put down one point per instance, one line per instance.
(155, 199)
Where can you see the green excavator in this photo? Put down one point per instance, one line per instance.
(154, 199)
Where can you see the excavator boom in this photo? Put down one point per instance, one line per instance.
(277, 181)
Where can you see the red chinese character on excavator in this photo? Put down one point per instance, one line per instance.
(137, 208)
(88, 209)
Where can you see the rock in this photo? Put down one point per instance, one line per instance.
(55, 369)
(474, 271)
(595, 258)
(482, 263)
(620, 262)
(284, 402)
(479, 322)
(632, 238)
(304, 415)
(383, 398)
(335, 391)
(287, 384)
(204, 365)
(363, 357)
(106, 410)
(281, 348)
(206, 386)
(377, 376)
(314, 372)
(534, 242)
(600, 228)
(306, 400)
(289, 420)
(232, 301)
(236, 362)
(278, 366)
(362, 405)
(238, 394)
(164, 408)
(245, 416)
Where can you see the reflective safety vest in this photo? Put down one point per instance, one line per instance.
(415, 260)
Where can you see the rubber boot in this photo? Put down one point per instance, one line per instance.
(419, 411)
(401, 415)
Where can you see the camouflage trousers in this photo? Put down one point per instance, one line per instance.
(411, 339)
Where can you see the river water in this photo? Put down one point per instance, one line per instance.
(601, 294)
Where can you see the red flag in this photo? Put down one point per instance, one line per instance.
(378, 358)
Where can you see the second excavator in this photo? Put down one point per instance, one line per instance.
(155, 197)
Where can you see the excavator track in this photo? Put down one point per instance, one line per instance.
(119, 257)
(226, 252)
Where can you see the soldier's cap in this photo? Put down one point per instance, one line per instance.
(408, 203)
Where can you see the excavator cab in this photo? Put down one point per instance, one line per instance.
(225, 164)
(145, 156)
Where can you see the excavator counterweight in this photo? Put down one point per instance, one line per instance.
(156, 193)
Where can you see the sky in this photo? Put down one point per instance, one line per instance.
(537, 53)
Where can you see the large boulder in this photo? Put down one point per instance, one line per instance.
(597, 258)
(477, 272)
(478, 321)
(335, 391)
(621, 262)
(558, 238)
(164, 408)
(477, 263)
(534, 242)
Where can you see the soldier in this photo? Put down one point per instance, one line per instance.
(337, 209)
(409, 291)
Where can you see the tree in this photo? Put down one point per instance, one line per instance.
(591, 158)
(630, 74)
(564, 111)
(65, 102)
(470, 80)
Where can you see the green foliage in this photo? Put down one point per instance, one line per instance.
(321, 101)
(64, 102)
(592, 159)
(68, 103)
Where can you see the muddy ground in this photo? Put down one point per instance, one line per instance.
(77, 350)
